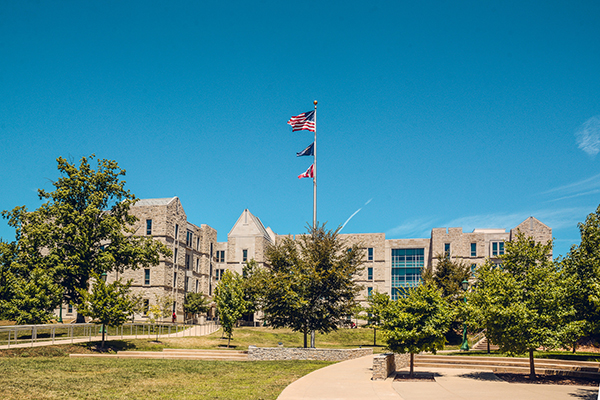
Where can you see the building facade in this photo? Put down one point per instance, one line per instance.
(199, 261)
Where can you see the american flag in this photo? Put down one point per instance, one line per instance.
(304, 121)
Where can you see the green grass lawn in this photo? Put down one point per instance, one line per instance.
(92, 378)
(47, 372)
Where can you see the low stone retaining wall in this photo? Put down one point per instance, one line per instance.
(388, 363)
(298, 353)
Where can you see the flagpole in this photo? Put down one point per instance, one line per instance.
(315, 173)
(312, 332)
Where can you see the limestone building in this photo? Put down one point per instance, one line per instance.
(198, 260)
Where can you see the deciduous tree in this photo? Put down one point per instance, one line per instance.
(108, 304)
(229, 297)
(522, 301)
(581, 268)
(28, 294)
(309, 283)
(195, 303)
(417, 322)
(83, 228)
(378, 302)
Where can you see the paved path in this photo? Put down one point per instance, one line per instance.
(352, 380)
(193, 331)
(345, 380)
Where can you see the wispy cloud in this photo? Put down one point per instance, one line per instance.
(420, 227)
(585, 184)
(555, 218)
(576, 195)
(588, 136)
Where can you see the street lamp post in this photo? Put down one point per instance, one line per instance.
(465, 343)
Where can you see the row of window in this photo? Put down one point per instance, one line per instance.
(497, 249)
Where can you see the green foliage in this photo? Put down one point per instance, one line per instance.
(83, 228)
(417, 322)
(27, 295)
(309, 284)
(582, 270)
(161, 308)
(229, 297)
(195, 303)
(378, 302)
(252, 285)
(107, 304)
(522, 301)
(448, 276)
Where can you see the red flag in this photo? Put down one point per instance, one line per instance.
(309, 173)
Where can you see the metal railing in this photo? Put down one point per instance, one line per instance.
(49, 334)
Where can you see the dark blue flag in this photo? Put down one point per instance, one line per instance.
(309, 151)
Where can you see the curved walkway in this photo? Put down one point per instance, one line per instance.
(352, 380)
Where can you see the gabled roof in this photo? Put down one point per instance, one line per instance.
(249, 225)
(155, 202)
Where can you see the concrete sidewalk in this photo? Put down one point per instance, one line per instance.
(192, 331)
(345, 380)
(352, 380)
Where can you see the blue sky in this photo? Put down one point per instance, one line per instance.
(466, 113)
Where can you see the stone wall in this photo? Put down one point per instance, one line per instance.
(386, 364)
(297, 353)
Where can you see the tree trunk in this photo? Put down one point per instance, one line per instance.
(103, 333)
(488, 345)
(374, 336)
(412, 365)
(312, 339)
(305, 338)
(531, 365)
(228, 340)
(574, 347)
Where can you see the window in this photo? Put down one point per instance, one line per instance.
(370, 273)
(175, 257)
(176, 231)
(497, 248)
(145, 307)
(187, 261)
(407, 265)
(197, 265)
(244, 255)
(197, 243)
(447, 250)
(220, 255)
(196, 285)
(69, 308)
(147, 276)
(174, 306)
(473, 249)
(186, 284)
(188, 239)
(174, 279)
(370, 254)
(369, 291)
(148, 227)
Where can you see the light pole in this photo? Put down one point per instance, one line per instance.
(465, 344)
